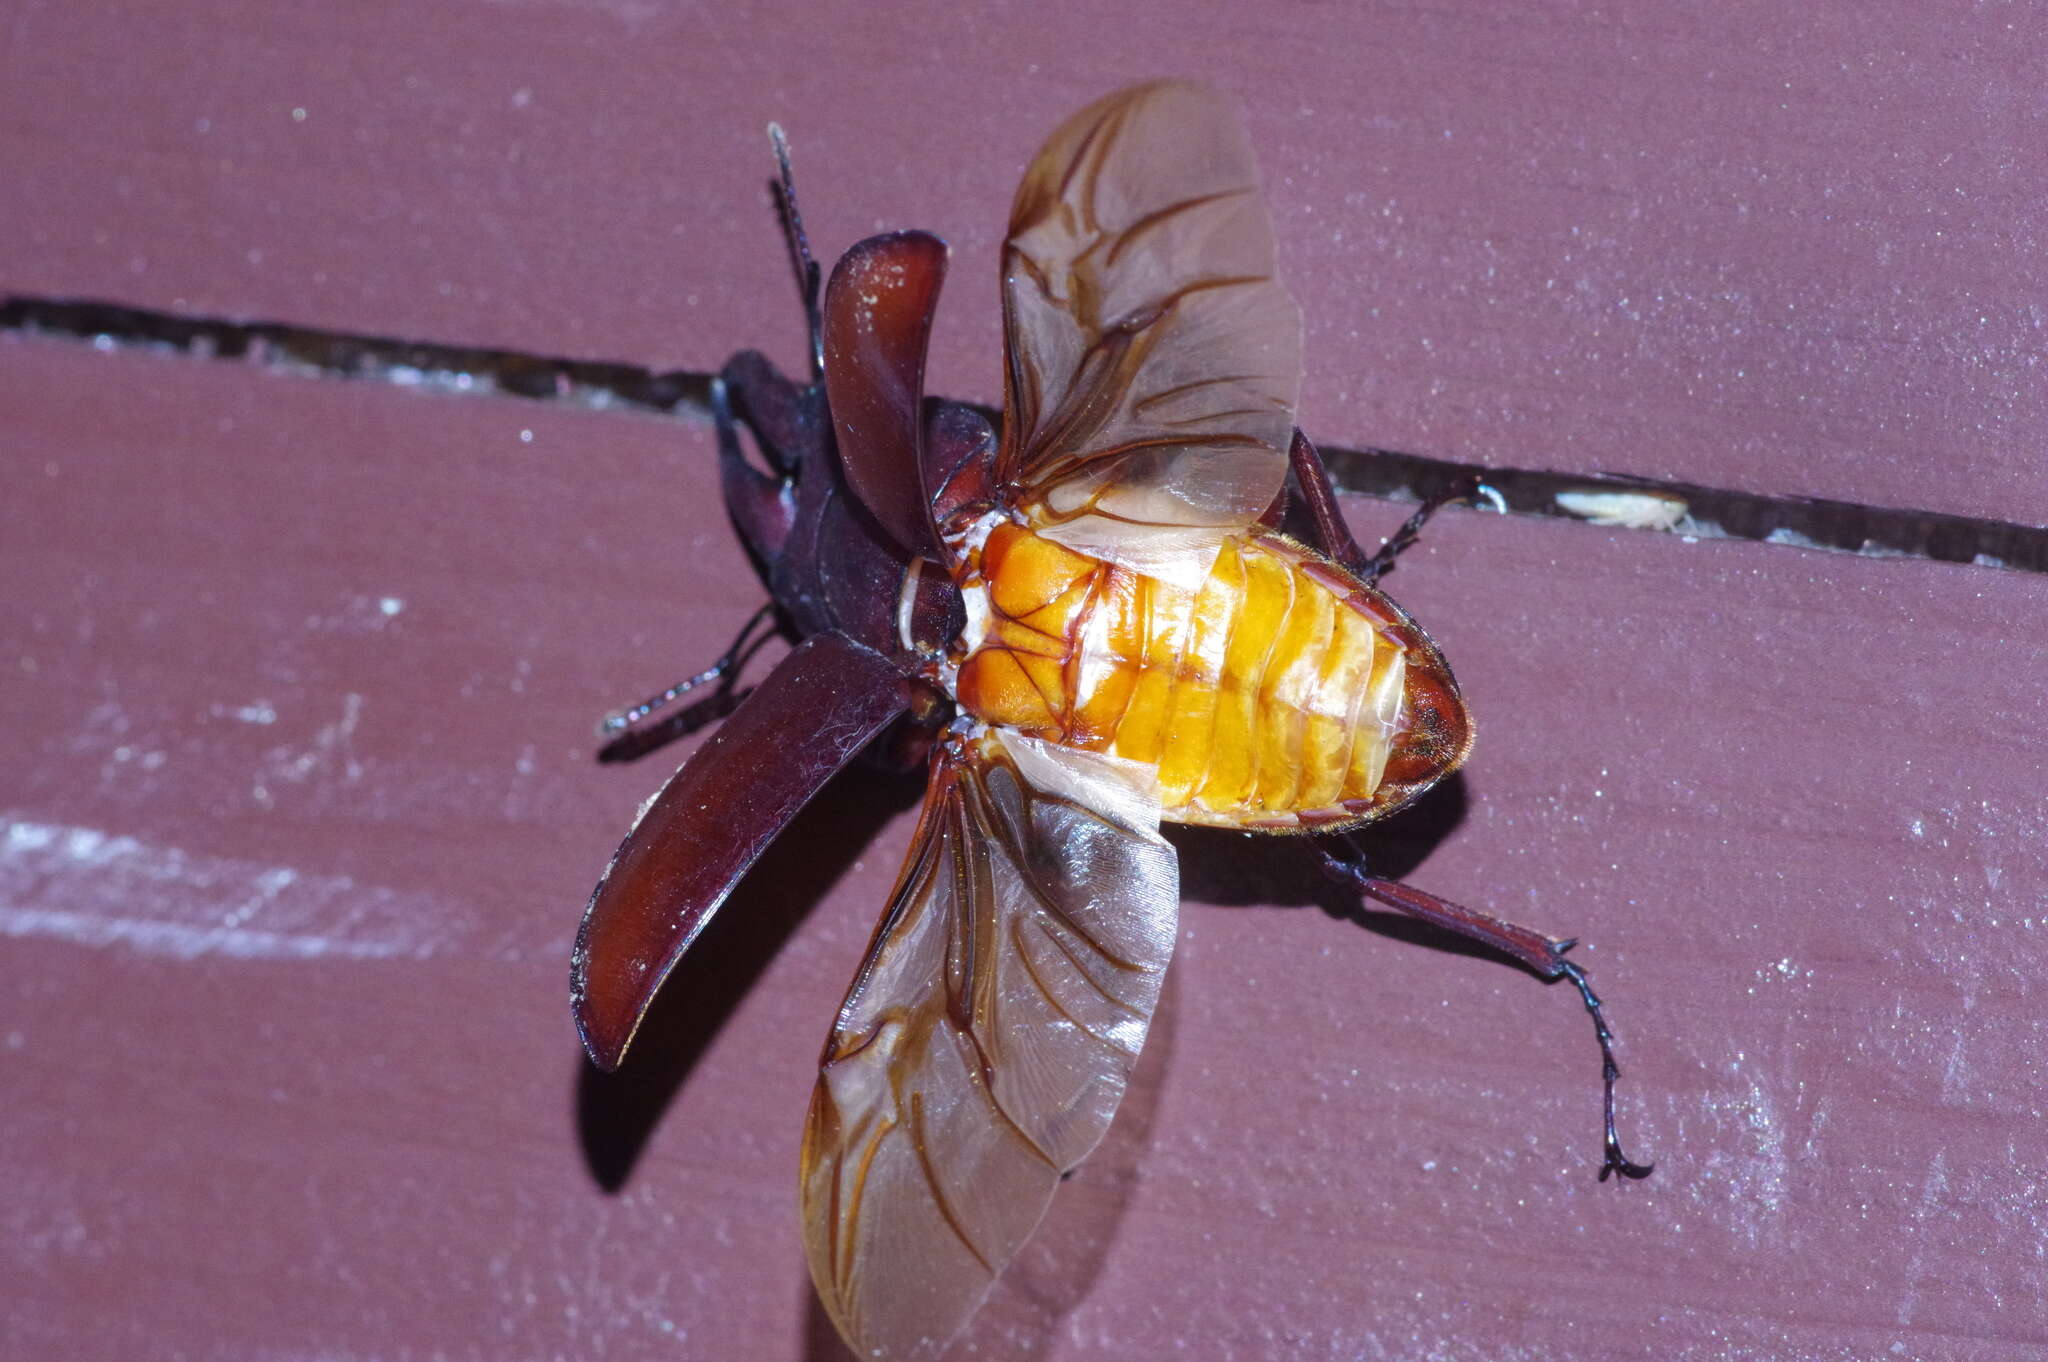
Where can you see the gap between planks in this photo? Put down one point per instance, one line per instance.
(1687, 509)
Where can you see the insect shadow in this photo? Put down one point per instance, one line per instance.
(1247, 871)
(1025, 1315)
(617, 1112)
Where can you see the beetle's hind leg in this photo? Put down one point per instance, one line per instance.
(1328, 533)
(1344, 861)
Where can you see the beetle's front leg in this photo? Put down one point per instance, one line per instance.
(626, 743)
(1344, 861)
(786, 417)
(749, 391)
(808, 275)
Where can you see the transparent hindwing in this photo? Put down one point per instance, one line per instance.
(1154, 358)
(987, 1040)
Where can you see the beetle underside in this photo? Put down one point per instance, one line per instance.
(1086, 626)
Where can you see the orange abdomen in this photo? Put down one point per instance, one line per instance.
(1282, 694)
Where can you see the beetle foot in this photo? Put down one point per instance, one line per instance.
(1613, 1160)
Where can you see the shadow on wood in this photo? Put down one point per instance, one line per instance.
(616, 1112)
(1255, 871)
(1059, 1265)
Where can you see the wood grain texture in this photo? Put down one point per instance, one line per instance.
(301, 677)
(1793, 250)
(303, 809)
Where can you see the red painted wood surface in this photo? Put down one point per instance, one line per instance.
(1795, 249)
(300, 677)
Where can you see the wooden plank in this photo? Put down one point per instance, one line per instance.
(1788, 250)
(301, 813)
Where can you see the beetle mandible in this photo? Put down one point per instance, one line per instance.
(1086, 625)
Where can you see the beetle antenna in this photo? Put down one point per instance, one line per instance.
(799, 248)
(727, 662)
(1344, 861)
(1470, 492)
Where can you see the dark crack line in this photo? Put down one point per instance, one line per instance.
(310, 353)
(1694, 511)
(1714, 512)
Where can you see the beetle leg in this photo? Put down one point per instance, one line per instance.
(959, 461)
(761, 509)
(723, 671)
(799, 250)
(1467, 491)
(1311, 482)
(1344, 862)
(786, 419)
(1332, 536)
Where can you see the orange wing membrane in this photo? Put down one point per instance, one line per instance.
(988, 1036)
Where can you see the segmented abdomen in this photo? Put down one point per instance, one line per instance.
(1282, 694)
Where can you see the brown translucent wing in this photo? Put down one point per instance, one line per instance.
(986, 1041)
(1154, 359)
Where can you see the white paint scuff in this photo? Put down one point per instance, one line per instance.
(95, 888)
